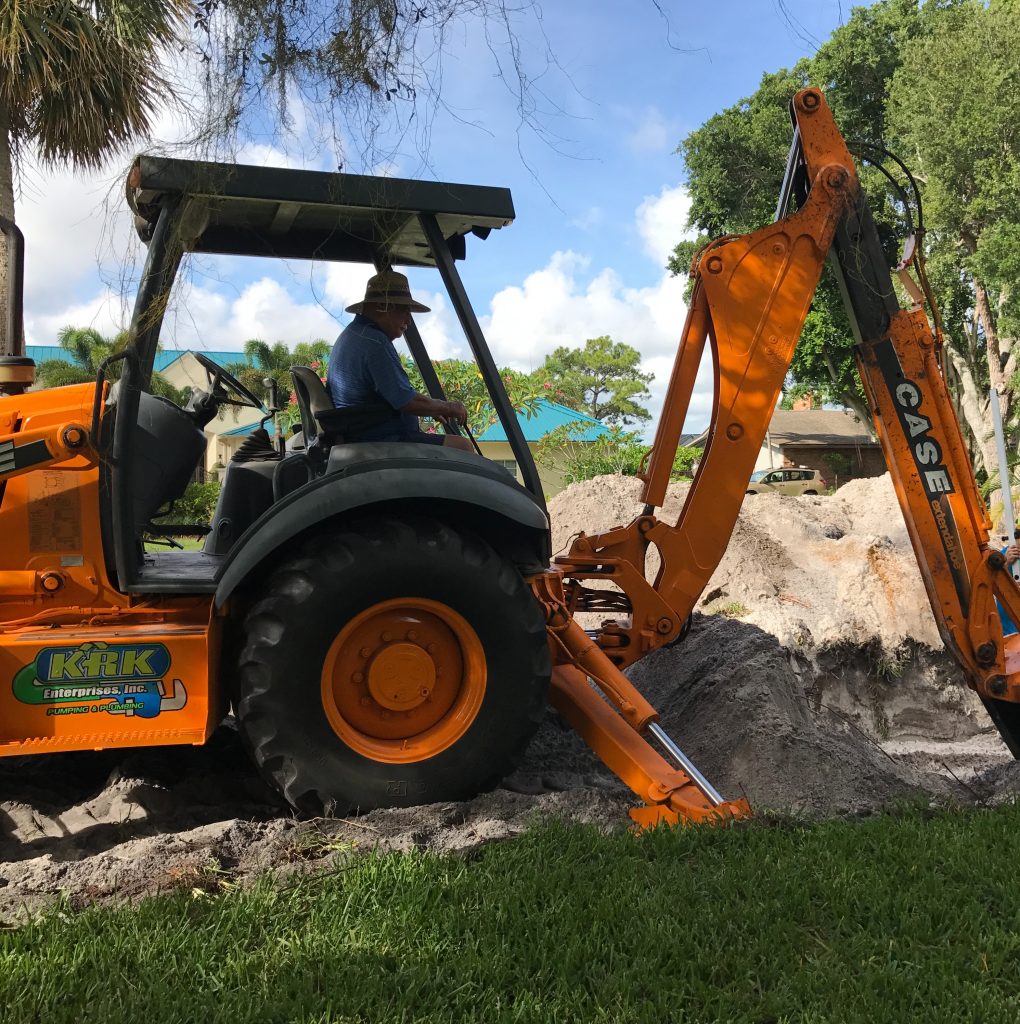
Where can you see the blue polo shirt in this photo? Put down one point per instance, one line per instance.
(363, 368)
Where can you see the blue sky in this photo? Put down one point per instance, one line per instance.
(597, 209)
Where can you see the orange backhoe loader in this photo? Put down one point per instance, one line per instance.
(386, 619)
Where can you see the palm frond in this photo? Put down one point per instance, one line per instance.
(81, 80)
(58, 373)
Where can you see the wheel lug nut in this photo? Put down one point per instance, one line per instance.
(432, 648)
(357, 677)
(387, 637)
(365, 652)
(412, 635)
(365, 702)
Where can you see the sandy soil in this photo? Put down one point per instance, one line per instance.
(813, 681)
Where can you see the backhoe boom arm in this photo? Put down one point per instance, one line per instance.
(751, 294)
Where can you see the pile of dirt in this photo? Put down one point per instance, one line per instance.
(813, 571)
(812, 681)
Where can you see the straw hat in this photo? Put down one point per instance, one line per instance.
(388, 288)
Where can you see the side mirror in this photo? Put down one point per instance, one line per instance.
(272, 385)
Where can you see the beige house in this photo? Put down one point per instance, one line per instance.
(833, 441)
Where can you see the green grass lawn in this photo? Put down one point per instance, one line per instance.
(905, 918)
(186, 543)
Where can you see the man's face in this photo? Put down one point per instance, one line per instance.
(392, 320)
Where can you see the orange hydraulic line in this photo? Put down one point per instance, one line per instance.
(678, 399)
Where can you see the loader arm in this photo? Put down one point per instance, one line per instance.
(751, 294)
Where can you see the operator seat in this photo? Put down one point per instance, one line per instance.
(321, 421)
(312, 398)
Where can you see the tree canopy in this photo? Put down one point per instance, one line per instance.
(938, 84)
(462, 382)
(602, 379)
(78, 81)
(262, 361)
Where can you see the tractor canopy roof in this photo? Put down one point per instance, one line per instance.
(243, 210)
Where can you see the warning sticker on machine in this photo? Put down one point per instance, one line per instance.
(120, 679)
(54, 511)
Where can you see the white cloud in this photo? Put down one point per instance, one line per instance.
(71, 226)
(564, 302)
(653, 133)
(205, 318)
(662, 222)
(590, 218)
(106, 312)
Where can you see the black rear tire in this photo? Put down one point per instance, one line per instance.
(289, 632)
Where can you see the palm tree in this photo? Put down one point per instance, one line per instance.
(264, 360)
(87, 348)
(79, 80)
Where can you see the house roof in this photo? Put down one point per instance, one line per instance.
(166, 356)
(245, 430)
(826, 428)
(547, 417)
(819, 427)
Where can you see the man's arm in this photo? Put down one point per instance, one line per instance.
(422, 405)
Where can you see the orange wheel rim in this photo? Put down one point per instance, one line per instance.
(403, 680)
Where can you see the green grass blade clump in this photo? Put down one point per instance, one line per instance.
(907, 917)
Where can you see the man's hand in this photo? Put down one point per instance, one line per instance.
(1012, 553)
(455, 413)
(422, 405)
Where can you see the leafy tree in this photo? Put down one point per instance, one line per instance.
(78, 81)
(798, 391)
(937, 83)
(86, 349)
(602, 379)
(263, 361)
(462, 382)
(964, 141)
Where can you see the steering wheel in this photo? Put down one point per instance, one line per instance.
(220, 379)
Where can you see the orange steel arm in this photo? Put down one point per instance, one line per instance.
(32, 449)
(750, 298)
(586, 686)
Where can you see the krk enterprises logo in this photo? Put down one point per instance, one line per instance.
(120, 679)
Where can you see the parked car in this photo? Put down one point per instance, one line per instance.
(792, 480)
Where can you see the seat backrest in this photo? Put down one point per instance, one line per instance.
(312, 398)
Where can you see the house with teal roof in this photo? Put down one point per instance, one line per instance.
(493, 442)
(229, 429)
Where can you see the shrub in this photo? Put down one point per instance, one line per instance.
(195, 506)
(616, 452)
